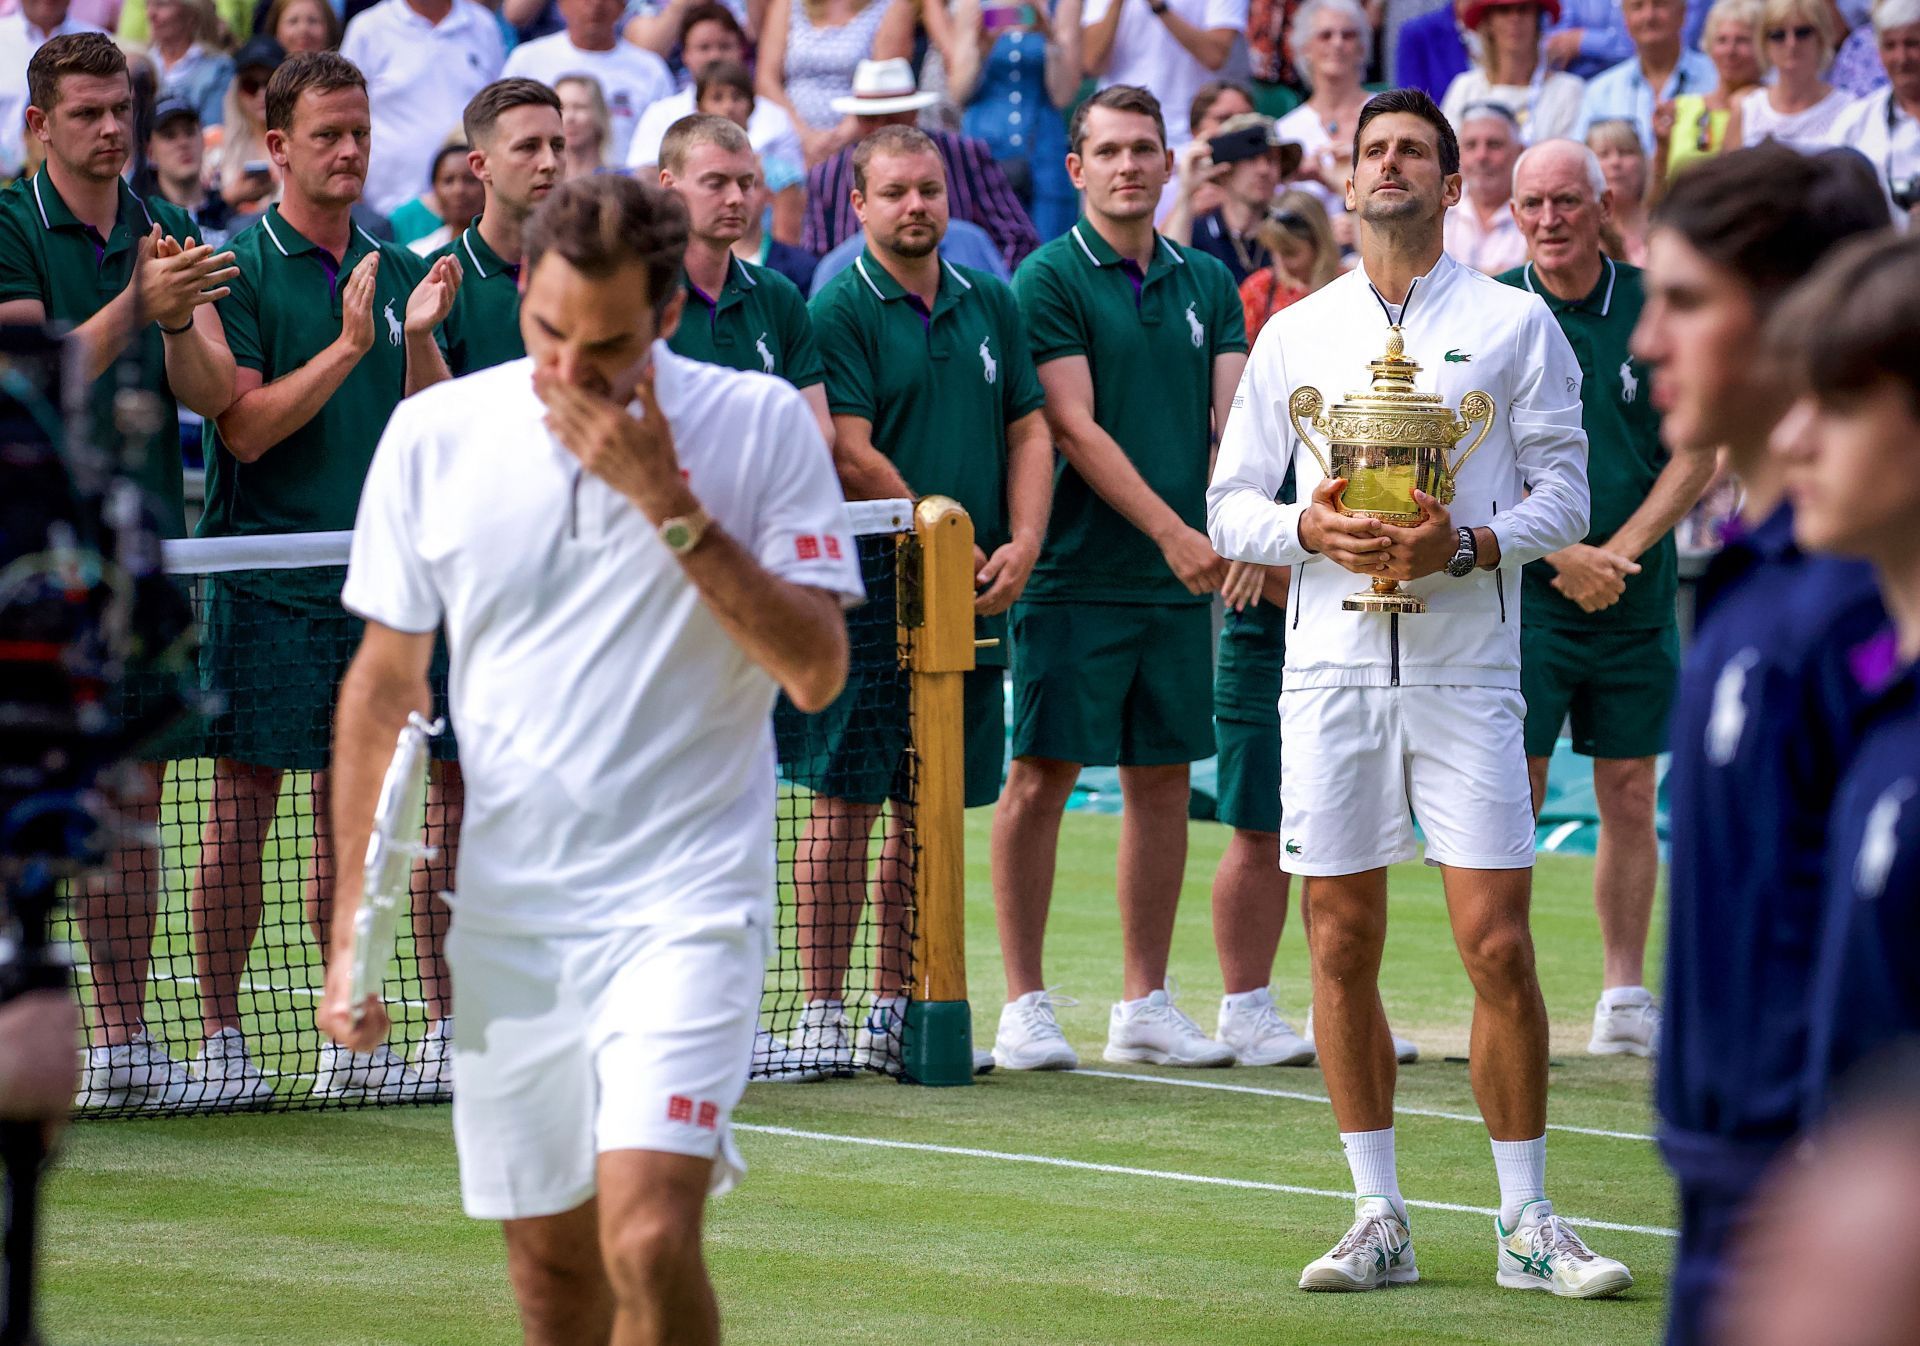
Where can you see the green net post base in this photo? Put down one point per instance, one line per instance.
(939, 1042)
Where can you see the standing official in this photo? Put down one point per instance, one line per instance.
(1385, 716)
(1139, 343)
(1599, 639)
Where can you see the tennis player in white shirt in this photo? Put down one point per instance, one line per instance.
(631, 553)
(1384, 715)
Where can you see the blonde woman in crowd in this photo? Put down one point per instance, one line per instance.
(1511, 70)
(237, 160)
(1303, 256)
(586, 123)
(1798, 108)
(1623, 162)
(1694, 125)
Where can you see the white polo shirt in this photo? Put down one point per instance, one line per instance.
(632, 79)
(768, 127)
(617, 744)
(420, 76)
(1145, 53)
(1880, 129)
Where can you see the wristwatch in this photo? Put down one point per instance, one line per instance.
(682, 533)
(1465, 556)
(1157, 6)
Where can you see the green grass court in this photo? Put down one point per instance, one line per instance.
(1177, 1214)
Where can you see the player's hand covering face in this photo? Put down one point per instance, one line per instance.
(1397, 177)
(593, 333)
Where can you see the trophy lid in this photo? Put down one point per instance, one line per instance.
(1394, 411)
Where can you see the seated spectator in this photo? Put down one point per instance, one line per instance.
(1301, 257)
(1661, 68)
(1592, 35)
(1481, 231)
(585, 123)
(1798, 107)
(1886, 126)
(1432, 51)
(1251, 167)
(134, 28)
(1694, 125)
(1194, 181)
(709, 34)
(759, 246)
(1276, 84)
(184, 62)
(725, 89)
(1332, 44)
(22, 33)
(175, 170)
(661, 26)
(885, 94)
(631, 78)
(1616, 143)
(966, 244)
(302, 25)
(1014, 71)
(248, 180)
(1511, 69)
(1856, 67)
(808, 52)
(1137, 43)
(457, 198)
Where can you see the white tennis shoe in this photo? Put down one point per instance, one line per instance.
(1029, 1037)
(1258, 1036)
(377, 1076)
(1156, 1033)
(225, 1077)
(878, 1043)
(775, 1061)
(136, 1073)
(822, 1039)
(433, 1060)
(1542, 1252)
(1405, 1050)
(1630, 1029)
(1374, 1253)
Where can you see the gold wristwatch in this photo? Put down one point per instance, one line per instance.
(683, 532)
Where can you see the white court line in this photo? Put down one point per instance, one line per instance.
(1302, 1097)
(1164, 1175)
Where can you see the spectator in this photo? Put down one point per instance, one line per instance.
(423, 59)
(1269, 60)
(1332, 44)
(631, 78)
(725, 89)
(965, 245)
(248, 177)
(302, 25)
(977, 191)
(1660, 70)
(1797, 108)
(176, 170)
(1481, 231)
(135, 30)
(1694, 125)
(457, 198)
(1169, 46)
(1432, 51)
(1302, 257)
(1886, 126)
(21, 35)
(758, 246)
(1015, 69)
(587, 124)
(709, 35)
(1856, 67)
(661, 26)
(1593, 35)
(1195, 184)
(1623, 163)
(809, 53)
(1599, 640)
(1251, 169)
(1512, 69)
(181, 59)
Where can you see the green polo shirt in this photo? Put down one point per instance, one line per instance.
(483, 328)
(47, 254)
(940, 387)
(758, 322)
(1150, 341)
(1624, 451)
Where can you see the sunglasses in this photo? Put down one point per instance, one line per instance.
(251, 84)
(1800, 32)
(1297, 225)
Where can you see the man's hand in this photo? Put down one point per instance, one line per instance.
(1244, 583)
(432, 299)
(1563, 48)
(634, 456)
(1193, 165)
(1424, 548)
(356, 306)
(334, 1017)
(173, 279)
(1593, 577)
(1003, 577)
(1351, 541)
(39, 1056)
(1192, 559)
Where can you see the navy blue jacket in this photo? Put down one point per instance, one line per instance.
(1430, 53)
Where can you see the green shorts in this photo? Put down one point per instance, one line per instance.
(1112, 684)
(856, 749)
(1249, 774)
(1617, 686)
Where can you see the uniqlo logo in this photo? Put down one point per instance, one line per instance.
(807, 547)
(709, 1116)
(680, 1108)
(833, 548)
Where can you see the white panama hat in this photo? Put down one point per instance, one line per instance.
(883, 87)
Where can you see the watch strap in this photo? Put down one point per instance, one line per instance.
(683, 532)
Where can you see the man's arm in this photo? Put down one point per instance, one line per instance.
(1096, 38)
(1595, 577)
(1550, 446)
(816, 399)
(1209, 46)
(1029, 499)
(428, 307)
(865, 472)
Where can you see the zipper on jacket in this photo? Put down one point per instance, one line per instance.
(1299, 583)
(573, 506)
(1393, 640)
(1499, 579)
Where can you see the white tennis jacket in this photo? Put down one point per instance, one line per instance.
(1527, 481)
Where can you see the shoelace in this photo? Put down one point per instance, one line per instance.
(1178, 1015)
(1037, 1017)
(1367, 1231)
(1555, 1236)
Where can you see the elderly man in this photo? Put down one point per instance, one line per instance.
(1885, 125)
(1598, 639)
(1661, 68)
(1481, 231)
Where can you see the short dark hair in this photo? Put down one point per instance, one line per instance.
(500, 97)
(441, 155)
(1856, 321)
(711, 12)
(1769, 214)
(700, 129)
(1120, 98)
(606, 221)
(1415, 103)
(70, 54)
(891, 140)
(1210, 93)
(321, 71)
(726, 75)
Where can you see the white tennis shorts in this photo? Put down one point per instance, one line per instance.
(1359, 764)
(568, 1046)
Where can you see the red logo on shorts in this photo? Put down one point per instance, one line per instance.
(680, 1108)
(833, 548)
(709, 1116)
(807, 547)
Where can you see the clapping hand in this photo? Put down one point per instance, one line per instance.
(174, 279)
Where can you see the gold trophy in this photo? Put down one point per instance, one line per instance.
(1386, 443)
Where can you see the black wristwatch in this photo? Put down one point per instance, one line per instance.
(1466, 556)
(1157, 6)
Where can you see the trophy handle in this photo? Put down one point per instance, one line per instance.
(1475, 406)
(1305, 404)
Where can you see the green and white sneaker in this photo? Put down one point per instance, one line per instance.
(1542, 1252)
(1375, 1253)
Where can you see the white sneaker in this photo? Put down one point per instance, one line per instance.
(433, 1060)
(1029, 1037)
(877, 1045)
(1375, 1253)
(822, 1040)
(1156, 1033)
(982, 1062)
(1258, 1036)
(136, 1073)
(1543, 1253)
(1405, 1051)
(775, 1061)
(225, 1077)
(1628, 1029)
(376, 1076)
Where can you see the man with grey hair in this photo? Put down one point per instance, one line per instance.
(1598, 639)
(1481, 231)
(1885, 124)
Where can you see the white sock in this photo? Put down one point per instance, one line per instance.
(1522, 1168)
(1129, 1008)
(1247, 1000)
(1615, 996)
(1370, 1157)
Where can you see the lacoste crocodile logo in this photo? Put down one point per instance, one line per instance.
(1456, 356)
(1293, 847)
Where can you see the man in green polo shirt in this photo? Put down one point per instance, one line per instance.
(329, 330)
(737, 314)
(1139, 343)
(1599, 641)
(77, 246)
(933, 392)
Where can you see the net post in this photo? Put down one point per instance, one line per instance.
(937, 640)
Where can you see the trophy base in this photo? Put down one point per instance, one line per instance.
(1373, 601)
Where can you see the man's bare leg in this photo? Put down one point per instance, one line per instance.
(446, 801)
(893, 889)
(1489, 911)
(117, 912)
(228, 900)
(1026, 847)
(319, 884)
(559, 1279)
(830, 891)
(1347, 920)
(1626, 867)
(1249, 909)
(651, 1208)
(1152, 864)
